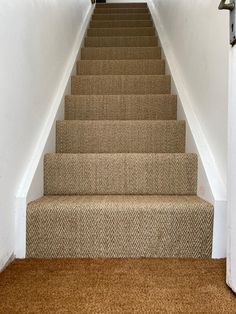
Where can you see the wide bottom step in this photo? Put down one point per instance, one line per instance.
(119, 226)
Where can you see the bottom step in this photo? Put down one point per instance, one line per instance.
(119, 226)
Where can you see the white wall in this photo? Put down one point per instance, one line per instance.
(194, 37)
(198, 35)
(39, 41)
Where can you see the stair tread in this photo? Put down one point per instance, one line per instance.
(111, 62)
(117, 201)
(119, 226)
(125, 97)
(122, 37)
(123, 75)
(127, 122)
(126, 28)
(137, 28)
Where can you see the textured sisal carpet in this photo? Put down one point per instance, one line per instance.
(120, 183)
(115, 286)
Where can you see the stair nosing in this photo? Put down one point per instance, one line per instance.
(126, 95)
(128, 13)
(119, 75)
(122, 21)
(120, 60)
(122, 120)
(145, 36)
(111, 27)
(127, 154)
(125, 47)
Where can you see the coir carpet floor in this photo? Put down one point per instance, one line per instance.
(115, 286)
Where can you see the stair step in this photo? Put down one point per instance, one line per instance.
(126, 10)
(120, 107)
(121, 31)
(123, 16)
(122, 23)
(120, 53)
(72, 174)
(121, 5)
(116, 41)
(120, 136)
(124, 67)
(119, 226)
(120, 84)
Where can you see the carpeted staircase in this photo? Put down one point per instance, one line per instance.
(120, 183)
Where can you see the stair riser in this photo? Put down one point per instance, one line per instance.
(130, 137)
(74, 174)
(121, 10)
(145, 31)
(120, 53)
(133, 16)
(122, 67)
(121, 107)
(80, 231)
(136, 41)
(116, 85)
(123, 23)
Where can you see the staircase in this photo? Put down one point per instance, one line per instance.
(120, 183)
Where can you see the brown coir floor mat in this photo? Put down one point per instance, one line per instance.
(115, 286)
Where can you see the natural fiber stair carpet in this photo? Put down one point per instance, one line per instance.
(119, 10)
(121, 5)
(121, 41)
(128, 67)
(122, 16)
(119, 226)
(131, 136)
(120, 107)
(137, 31)
(123, 174)
(120, 53)
(120, 84)
(120, 183)
(115, 286)
(123, 23)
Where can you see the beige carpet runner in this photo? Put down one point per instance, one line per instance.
(120, 183)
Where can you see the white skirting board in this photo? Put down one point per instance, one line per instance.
(6, 261)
